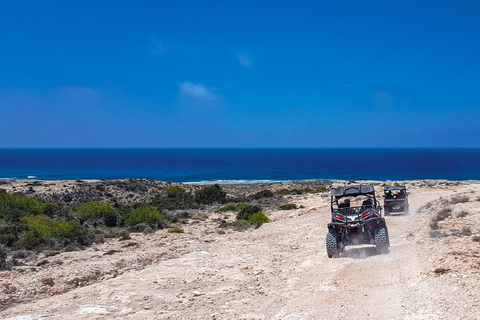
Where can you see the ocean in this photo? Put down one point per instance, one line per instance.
(199, 165)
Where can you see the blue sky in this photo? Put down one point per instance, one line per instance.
(239, 74)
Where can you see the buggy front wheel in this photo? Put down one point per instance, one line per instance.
(332, 245)
(381, 240)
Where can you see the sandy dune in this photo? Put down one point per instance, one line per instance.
(279, 271)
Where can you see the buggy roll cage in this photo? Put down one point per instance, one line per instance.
(353, 191)
(394, 188)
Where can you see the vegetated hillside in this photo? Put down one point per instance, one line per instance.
(68, 215)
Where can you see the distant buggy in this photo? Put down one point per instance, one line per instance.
(395, 200)
(356, 220)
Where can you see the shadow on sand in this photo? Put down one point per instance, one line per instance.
(360, 253)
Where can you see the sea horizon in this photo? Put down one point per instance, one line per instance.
(194, 165)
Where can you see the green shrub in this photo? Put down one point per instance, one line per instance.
(262, 194)
(175, 192)
(3, 258)
(247, 211)
(148, 215)
(175, 230)
(288, 206)
(210, 194)
(43, 232)
(15, 206)
(54, 210)
(45, 227)
(31, 240)
(241, 225)
(175, 203)
(9, 232)
(95, 213)
(184, 215)
(132, 185)
(232, 207)
(258, 218)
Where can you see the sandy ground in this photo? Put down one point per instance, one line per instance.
(278, 271)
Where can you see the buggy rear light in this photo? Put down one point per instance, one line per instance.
(366, 213)
(339, 217)
(406, 201)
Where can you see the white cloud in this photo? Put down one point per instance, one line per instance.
(244, 59)
(197, 92)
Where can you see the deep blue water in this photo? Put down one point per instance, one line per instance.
(191, 165)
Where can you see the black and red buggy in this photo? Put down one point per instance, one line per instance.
(395, 200)
(356, 220)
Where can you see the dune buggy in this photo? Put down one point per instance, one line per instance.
(356, 220)
(395, 200)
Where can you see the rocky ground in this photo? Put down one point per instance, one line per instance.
(278, 271)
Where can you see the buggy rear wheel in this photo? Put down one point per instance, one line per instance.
(332, 245)
(381, 240)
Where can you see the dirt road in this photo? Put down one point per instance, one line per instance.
(279, 271)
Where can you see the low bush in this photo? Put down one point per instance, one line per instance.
(241, 225)
(3, 258)
(175, 230)
(459, 199)
(10, 231)
(43, 232)
(132, 185)
(175, 192)
(258, 218)
(210, 195)
(443, 214)
(174, 203)
(53, 210)
(184, 215)
(246, 212)
(15, 206)
(95, 213)
(149, 215)
(466, 231)
(288, 206)
(476, 239)
(21, 254)
(262, 194)
(252, 215)
(462, 214)
(437, 234)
